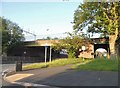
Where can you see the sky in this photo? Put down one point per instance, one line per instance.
(41, 18)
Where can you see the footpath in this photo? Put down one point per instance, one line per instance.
(59, 77)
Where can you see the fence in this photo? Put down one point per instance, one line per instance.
(13, 59)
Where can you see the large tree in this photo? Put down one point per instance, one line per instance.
(11, 34)
(99, 17)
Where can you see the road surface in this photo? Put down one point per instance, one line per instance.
(8, 68)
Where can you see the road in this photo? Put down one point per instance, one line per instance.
(6, 84)
(65, 76)
(8, 68)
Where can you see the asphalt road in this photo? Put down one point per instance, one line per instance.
(8, 68)
(63, 76)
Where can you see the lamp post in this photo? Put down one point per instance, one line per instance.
(83, 48)
(50, 57)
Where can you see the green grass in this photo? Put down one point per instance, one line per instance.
(99, 65)
(54, 63)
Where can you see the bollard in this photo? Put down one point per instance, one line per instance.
(18, 66)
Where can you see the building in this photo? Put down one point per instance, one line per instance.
(37, 49)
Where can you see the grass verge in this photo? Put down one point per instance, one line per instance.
(99, 65)
(55, 63)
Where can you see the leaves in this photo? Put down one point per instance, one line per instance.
(101, 17)
(11, 34)
(72, 43)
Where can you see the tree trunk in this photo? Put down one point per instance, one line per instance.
(112, 40)
(113, 23)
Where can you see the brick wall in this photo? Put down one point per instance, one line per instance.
(89, 53)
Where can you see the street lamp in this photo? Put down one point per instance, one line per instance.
(50, 48)
(83, 48)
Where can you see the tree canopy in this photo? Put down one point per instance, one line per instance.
(99, 17)
(72, 43)
(11, 34)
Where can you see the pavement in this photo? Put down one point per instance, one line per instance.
(59, 77)
(10, 67)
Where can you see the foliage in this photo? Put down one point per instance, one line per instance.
(55, 63)
(118, 40)
(100, 17)
(72, 43)
(55, 38)
(99, 65)
(11, 34)
(48, 38)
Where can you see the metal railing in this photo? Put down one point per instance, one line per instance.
(13, 59)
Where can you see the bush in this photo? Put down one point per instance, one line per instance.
(71, 54)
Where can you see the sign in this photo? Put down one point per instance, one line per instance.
(83, 47)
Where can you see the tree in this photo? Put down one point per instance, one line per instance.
(11, 34)
(72, 43)
(48, 38)
(99, 17)
(55, 38)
